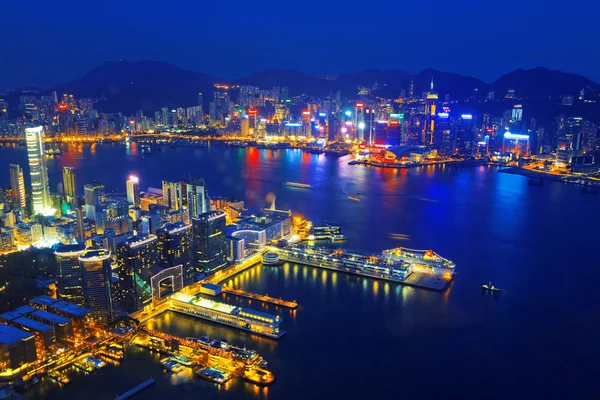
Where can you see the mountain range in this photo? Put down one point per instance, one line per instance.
(149, 85)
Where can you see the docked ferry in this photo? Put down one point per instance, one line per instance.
(271, 259)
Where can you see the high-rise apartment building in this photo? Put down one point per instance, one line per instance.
(17, 186)
(173, 195)
(69, 186)
(133, 191)
(198, 201)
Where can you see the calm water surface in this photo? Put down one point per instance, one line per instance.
(359, 338)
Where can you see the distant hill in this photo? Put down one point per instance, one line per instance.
(145, 85)
(297, 82)
(542, 82)
(150, 85)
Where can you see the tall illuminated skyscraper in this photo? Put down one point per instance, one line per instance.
(37, 167)
(197, 197)
(139, 260)
(96, 284)
(17, 186)
(69, 285)
(69, 186)
(209, 246)
(359, 122)
(173, 195)
(175, 244)
(133, 191)
(430, 115)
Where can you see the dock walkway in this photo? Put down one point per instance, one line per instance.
(261, 297)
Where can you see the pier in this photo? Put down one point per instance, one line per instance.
(246, 319)
(242, 363)
(260, 297)
(136, 389)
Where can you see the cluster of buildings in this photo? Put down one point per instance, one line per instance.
(122, 251)
(39, 330)
(425, 119)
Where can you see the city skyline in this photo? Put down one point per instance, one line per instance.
(343, 200)
(448, 31)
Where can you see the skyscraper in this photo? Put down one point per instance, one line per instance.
(173, 195)
(138, 260)
(430, 116)
(80, 233)
(133, 191)
(69, 186)
(38, 171)
(17, 186)
(92, 193)
(69, 285)
(175, 244)
(209, 245)
(96, 284)
(197, 197)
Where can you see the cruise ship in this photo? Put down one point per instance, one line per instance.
(352, 263)
(422, 260)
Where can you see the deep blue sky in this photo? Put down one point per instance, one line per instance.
(45, 42)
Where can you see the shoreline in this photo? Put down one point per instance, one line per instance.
(570, 179)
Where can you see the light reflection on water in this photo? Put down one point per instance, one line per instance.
(492, 225)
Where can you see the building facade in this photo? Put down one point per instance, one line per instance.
(209, 245)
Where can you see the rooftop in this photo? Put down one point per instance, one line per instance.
(71, 309)
(10, 335)
(69, 249)
(94, 255)
(211, 286)
(10, 315)
(260, 314)
(210, 215)
(53, 318)
(43, 300)
(32, 324)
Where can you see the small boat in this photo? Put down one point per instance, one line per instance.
(59, 377)
(297, 184)
(355, 198)
(489, 287)
(171, 365)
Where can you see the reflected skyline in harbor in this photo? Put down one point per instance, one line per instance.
(486, 222)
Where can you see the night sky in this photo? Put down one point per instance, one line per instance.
(48, 42)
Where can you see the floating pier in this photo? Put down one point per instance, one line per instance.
(136, 389)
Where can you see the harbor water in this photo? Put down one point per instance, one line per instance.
(353, 337)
